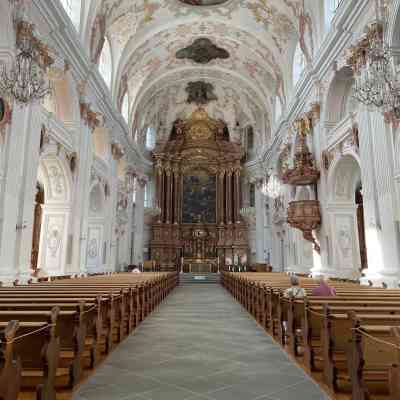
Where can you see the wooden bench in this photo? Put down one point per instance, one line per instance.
(30, 357)
(374, 361)
(94, 314)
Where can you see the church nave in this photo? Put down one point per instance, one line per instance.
(199, 344)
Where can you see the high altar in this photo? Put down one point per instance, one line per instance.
(199, 193)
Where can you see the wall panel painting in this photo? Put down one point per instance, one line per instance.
(199, 198)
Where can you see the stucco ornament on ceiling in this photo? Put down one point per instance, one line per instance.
(202, 51)
(200, 93)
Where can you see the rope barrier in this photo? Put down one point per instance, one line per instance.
(47, 326)
(375, 339)
(89, 310)
(316, 313)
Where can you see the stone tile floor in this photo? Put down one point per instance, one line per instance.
(199, 344)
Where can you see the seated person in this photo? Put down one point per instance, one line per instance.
(295, 291)
(323, 289)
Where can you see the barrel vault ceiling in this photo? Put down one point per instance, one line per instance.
(146, 35)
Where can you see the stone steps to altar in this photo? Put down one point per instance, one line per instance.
(199, 278)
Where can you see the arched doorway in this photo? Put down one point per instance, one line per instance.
(52, 216)
(346, 218)
(37, 227)
(96, 248)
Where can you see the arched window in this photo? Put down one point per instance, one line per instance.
(105, 63)
(125, 108)
(73, 9)
(299, 63)
(330, 11)
(150, 138)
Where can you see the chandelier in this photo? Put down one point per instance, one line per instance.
(26, 80)
(370, 60)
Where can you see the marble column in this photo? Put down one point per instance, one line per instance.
(176, 194)
(260, 212)
(388, 232)
(20, 177)
(159, 179)
(167, 191)
(378, 226)
(162, 194)
(221, 197)
(236, 184)
(228, 196)
(139, 224)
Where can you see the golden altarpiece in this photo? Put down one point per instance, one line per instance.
(198, 181)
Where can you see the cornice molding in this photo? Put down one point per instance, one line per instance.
(336, 41)
(67, 42)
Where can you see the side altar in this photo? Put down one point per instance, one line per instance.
(198, 182)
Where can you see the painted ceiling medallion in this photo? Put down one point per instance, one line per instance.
(202, 51)
(203, 2)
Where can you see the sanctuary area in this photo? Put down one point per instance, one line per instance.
(199, 199)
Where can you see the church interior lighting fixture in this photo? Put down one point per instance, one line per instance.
(26, 81)
(371, 64)
(372, 61)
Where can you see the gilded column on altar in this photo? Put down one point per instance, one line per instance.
(167, 191)
(221, 197)
(237, 194)
(159, 188)
(176, 172)
(229, 195)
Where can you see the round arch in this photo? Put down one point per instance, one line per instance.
(55, 177)
(338, 97)
(347, 234)
(343, 178)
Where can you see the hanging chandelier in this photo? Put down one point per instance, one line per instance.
(26, 82)
(370, 60)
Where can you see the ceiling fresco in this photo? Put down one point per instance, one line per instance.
(167, 100)
(242, 45)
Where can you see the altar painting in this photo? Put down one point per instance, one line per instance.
(199, 198)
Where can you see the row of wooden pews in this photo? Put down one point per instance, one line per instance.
(351, 341)
(53, 333)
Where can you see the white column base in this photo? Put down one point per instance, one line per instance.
(377, 279)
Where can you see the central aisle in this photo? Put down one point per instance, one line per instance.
(200, 344)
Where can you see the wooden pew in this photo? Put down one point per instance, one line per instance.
(374, 361)
(319, 326)
(115, 305)
(35, 347)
